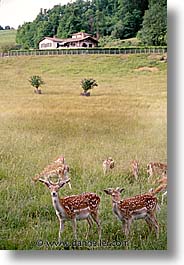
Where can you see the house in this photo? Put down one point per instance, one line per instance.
(78, 40)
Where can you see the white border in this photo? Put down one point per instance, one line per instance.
(175, 252)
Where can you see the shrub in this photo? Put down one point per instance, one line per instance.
(36, 81)
(88, 84)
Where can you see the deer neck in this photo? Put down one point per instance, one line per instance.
(58, 206)
(115, 207)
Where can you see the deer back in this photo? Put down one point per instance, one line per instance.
(77, 203)
(136, 203)
(157, 167)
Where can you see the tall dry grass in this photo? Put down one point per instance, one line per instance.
(125, 118)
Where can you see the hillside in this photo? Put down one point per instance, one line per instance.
(103, 18)
(7, 37)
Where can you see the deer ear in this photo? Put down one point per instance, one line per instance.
(151, 190)
(108, 191)
(59, 171)
(120, 189)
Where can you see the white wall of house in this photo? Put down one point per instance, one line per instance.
(47, 44)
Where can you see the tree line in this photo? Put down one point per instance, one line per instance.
(6, 28)
(120, 19)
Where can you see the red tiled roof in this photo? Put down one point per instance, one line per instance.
(79, 33)
(54, 39)
(78, 39)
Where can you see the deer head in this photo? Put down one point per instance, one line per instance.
(54, 187)
(115, 193)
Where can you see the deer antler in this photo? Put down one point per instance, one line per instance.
(49, 183)
(63, 182)
(45, 181)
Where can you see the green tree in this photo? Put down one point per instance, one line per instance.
(130, 17)
(44, 29)
(154, 30)
(25, 35)
(116, 18)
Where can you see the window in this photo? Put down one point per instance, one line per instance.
(46, 45)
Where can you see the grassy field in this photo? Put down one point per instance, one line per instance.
(7, 37)
(125, 118)
(110, 42)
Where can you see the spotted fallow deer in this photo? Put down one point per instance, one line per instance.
(155, 168)
(107, 165)
(72, 208)
(127, 210)
(135, 168)
(58, 167)
(162, 187)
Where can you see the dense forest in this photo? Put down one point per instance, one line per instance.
(119, 19)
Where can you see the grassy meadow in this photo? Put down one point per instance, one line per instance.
(7, 37)
(125, 118)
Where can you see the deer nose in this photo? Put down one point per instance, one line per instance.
(54, 193)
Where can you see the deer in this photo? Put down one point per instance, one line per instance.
(155, 168)
(143, 206)
(61, 160)
(162, 187)
(107, 165)
(58, 167)
(135, 168)
(84, 206)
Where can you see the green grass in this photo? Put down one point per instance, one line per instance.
(7, 37)
(108, 41)
(125, 118)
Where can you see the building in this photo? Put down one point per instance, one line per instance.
(78, 40)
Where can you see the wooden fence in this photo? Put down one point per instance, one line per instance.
(137, 50)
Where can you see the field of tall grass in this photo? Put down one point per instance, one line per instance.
(125, 118)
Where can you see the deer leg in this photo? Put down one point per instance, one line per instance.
(74, 226)
(148, 223)
(149, 178)
(97, 221)
(126, 227)
(104, 171)
(164, 194)
(90, 222)
(61, 227)
(135, 174)
(123, 226)
(154, 222)
(150, 175)
(69, 184)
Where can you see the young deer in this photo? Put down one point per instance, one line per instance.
(135, 168)
(162, 187)
(107, 165)
(58, 167)
(72, 208)
(127, 210)
(155, 168)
